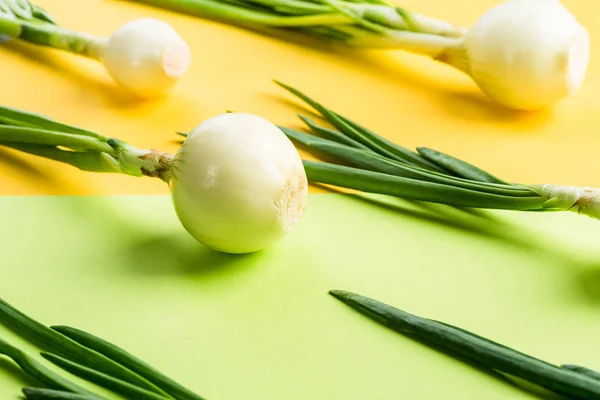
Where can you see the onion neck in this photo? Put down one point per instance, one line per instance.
(455, 56)
(582, 200)
(138, 162)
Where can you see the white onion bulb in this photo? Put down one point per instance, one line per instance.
(146, 56)
(527, 54)
(238, 183)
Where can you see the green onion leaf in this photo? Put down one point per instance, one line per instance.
(332, 135)
(49, 394)
(374, 162)
(482, 351)
(582, 370)
(459, 167)
(362, 135)
(132, 392)
(16, 117)
(128, 360)
(51, 340)
(36, 370)
(412, 189)
(93, 161)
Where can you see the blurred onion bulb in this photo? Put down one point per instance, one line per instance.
(146, 56)
(524, 54)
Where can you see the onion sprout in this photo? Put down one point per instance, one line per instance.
(382, 167)
(145, 56)
(237, 183)
(523, 54)
(476, 349)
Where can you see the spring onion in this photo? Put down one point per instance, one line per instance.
(145, 56)
(523, 54)
(426, 175)
(476, 349)
(237, 183)
(87, 358)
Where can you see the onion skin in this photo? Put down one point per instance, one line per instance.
(238, 183)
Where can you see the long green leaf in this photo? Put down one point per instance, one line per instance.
(26, 135)
(374, 162)
(49, 394)
(364, 136)
(582, 370)
(485, 352)
(84, 160)
(53, 341)
(128, 360)
(332, 134)
(459, 167)
(36, 370)
(408, 155)
(412, 189)
(16, 117)
(132, 392)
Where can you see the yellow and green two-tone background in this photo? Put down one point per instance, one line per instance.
(106, 253)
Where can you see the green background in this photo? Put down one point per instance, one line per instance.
(263, 326)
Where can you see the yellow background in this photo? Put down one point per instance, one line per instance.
(408, 98)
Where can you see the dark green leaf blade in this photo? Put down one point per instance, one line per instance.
(374, 162)
(459, 167)
(360, 134)
(129, 361)
(412, 189)
(485, 352)
(36, 370)
(582, 370)
(132, 392)
(51, 340)
(331, 134)
(50, 394)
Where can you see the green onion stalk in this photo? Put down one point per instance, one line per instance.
(523, 54)
(237, 184)
(86, 356)
(368, 162)
(147, 57)
(570, 381)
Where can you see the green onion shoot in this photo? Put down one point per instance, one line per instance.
(371, 163)
(237, 183)
(478, 350)
(147, 57)
(81, 354)
(523, 54)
